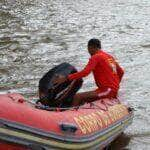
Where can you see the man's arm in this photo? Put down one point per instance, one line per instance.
(87, 70)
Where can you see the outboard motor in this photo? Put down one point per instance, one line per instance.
(58, 95)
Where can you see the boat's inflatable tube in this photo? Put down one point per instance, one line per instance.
(61, 95)
(90, 127)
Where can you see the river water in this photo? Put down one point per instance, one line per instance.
(36, 35)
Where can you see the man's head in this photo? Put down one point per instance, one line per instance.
(93, 46)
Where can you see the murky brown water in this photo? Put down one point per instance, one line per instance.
(38, 34)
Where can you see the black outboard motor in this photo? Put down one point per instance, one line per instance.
(58, 95)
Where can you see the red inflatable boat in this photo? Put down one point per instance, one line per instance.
(91, 126)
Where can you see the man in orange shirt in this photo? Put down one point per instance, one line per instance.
(107, 74)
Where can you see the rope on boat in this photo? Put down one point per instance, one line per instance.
(63, 108)
(42, 107)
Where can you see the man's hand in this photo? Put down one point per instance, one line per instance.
(60, 79)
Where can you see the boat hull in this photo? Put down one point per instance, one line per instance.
(91, 126)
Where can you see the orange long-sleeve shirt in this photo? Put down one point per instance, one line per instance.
(106, 71)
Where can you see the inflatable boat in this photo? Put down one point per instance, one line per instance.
(90, 126)
(55, 125)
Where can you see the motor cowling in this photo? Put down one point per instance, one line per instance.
(58, 95)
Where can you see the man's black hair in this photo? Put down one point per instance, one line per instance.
(94, 43)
